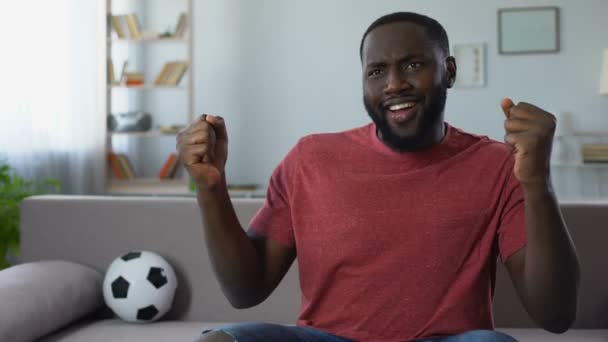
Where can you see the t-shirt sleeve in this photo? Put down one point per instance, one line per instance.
(512, 228)
(273, 220)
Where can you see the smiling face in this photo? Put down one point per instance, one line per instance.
(405, 81)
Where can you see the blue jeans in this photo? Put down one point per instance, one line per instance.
(262, 332)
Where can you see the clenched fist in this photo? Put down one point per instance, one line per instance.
(529, 130)
(203, 149)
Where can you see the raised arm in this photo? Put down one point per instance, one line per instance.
(248, 267)
(546, 272)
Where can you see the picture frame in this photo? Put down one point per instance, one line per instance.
(471, 62)
(528, 30)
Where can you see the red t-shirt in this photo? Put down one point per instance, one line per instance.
(395, 246)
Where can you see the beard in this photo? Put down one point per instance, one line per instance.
(430, 116)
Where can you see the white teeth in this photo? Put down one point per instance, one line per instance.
(402, 106)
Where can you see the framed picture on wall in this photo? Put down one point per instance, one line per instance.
(528, 30)
(471, 61)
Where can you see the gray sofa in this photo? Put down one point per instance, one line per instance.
(92, 231)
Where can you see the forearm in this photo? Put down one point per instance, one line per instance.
(233, 256)
(551, 264)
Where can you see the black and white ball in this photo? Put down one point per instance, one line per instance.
(139, 286)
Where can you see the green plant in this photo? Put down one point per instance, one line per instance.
(13, 189)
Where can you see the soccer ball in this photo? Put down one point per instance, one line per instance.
(139, 286)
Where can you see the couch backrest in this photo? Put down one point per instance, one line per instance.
(93, 230)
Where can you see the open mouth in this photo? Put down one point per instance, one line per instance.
(403, 112)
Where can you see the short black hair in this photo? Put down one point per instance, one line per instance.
(433, 28)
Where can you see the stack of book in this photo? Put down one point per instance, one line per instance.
(171, 73)
(595, 153)
(120, 166)
(134, 78)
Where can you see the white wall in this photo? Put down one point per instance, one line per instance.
(280, 69)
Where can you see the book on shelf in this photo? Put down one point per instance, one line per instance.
(133, 25)
(111, 76)
(169, 167)
(182, 26)
(171, 73)
(127, 168)
(115, 166)
(120, 166)
(177, 73)
(116, 23)
(162, 74)
(123, 72)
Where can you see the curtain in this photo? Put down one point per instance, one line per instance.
(51, 108)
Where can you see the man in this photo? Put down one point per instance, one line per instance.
(397, 225)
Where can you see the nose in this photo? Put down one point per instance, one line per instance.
(396, 83)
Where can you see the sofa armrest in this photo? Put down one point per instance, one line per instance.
(41, 297)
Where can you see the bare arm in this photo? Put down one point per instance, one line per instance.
(546, 272)
(248, 268)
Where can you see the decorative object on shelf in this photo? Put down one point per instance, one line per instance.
(137, 121)
(139, 286)
(471, 65)
(171, 129)
(528, 30)
(595, 153)
(604, 75)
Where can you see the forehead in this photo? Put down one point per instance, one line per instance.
(397, 40)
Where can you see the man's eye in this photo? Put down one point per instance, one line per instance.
(413, 66)
(374, 72)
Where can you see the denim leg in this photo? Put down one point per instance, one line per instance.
(264, 332)
(479, 336)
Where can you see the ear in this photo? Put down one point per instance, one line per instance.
(450, 63)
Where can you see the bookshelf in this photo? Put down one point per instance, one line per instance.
(143, 38)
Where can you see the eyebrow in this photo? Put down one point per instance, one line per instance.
(407, 58)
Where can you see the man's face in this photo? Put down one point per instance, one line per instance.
(405, 81)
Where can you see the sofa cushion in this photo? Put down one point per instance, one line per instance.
(538, 335)
(119, 331)
(41, 297)
(170, 331)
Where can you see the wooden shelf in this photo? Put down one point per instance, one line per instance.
(594, 134)
(148, 87)
(144, 55)
(149, 186)
(148, 40)
(581, 165)
(147, 134)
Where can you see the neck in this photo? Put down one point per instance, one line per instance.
(433, 138)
